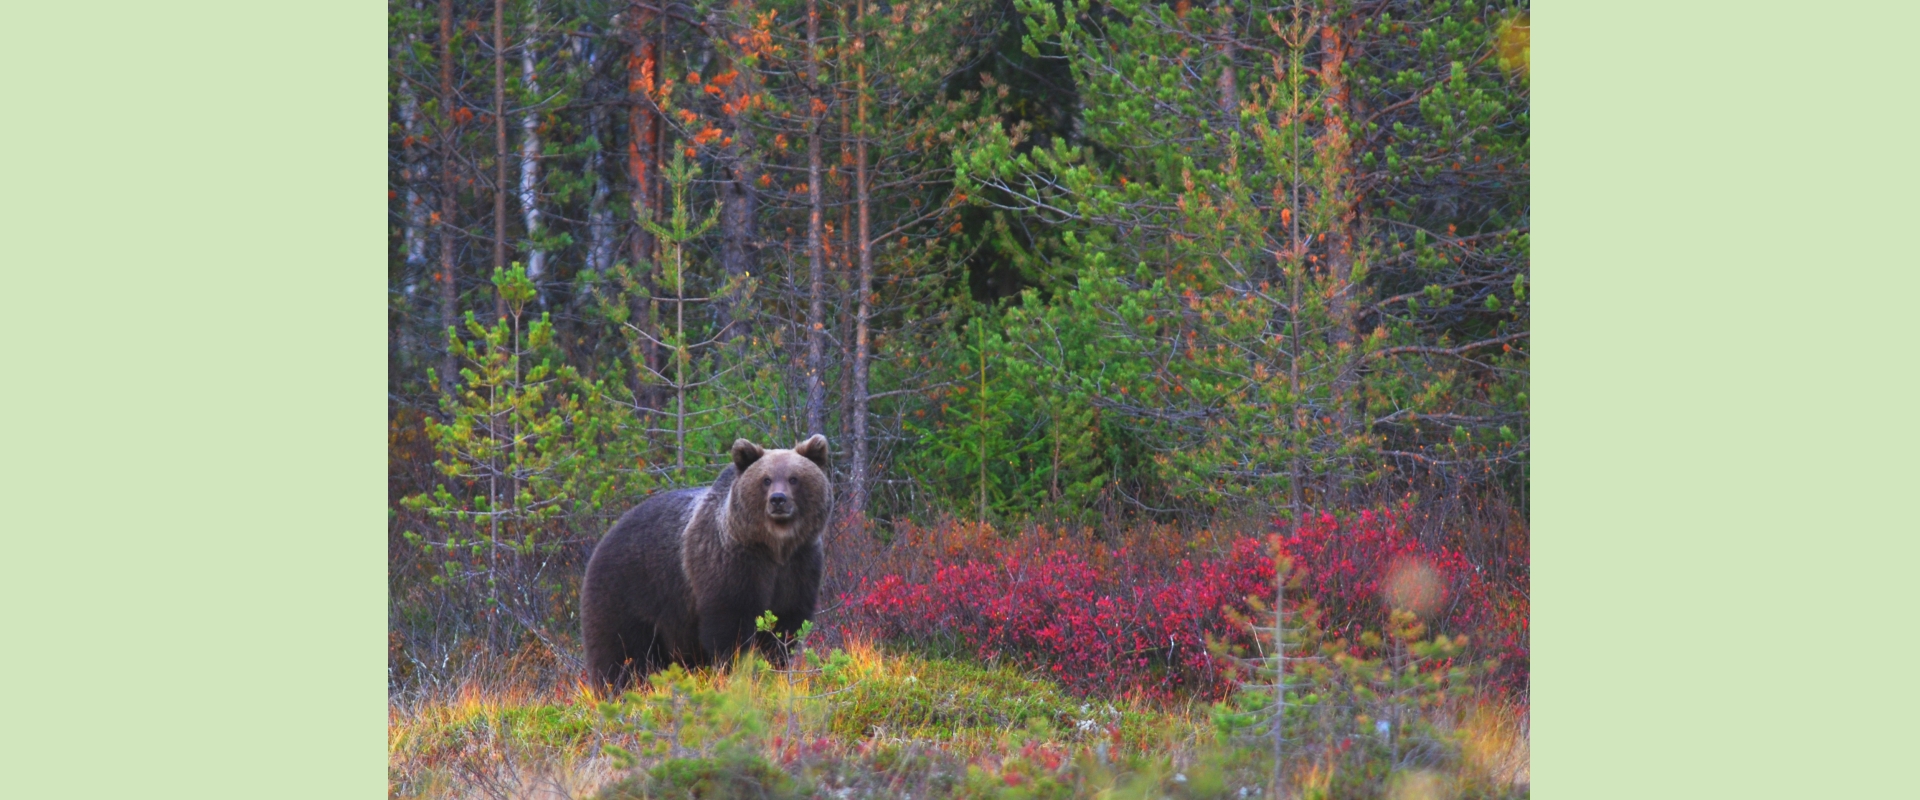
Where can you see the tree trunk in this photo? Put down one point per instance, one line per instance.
(1229, 40)
(643, 150)
(1335, 193)
(1294, 265)
(982, 322)
(530, 152)
(863, 289)
(738, 198)
(448, 136)
(679, 362)
(599, 213)
(413, 173)
(499, 149)
(816, 283)
(844, 266)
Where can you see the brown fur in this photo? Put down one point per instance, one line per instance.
(682, 577)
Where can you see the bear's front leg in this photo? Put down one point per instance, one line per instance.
(728, 614)
(797, 589)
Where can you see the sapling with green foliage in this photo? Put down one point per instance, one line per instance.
(512, 448)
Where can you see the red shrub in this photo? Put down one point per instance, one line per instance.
(1114, 628)
(1137, 617)
(1351, 567)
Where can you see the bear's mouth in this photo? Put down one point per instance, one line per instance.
(781, 517)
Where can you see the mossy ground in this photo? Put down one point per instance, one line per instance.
(865, 722)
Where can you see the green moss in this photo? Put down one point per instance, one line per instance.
(738, 776)
(923, 699)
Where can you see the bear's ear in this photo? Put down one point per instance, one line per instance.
(745, 453)
(814, 449)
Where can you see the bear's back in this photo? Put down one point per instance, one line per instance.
(635, 569)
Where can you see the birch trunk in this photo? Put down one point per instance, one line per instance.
(1229, 98)
(414, 174)
(530, 152)
(599, 212)
(499, 149)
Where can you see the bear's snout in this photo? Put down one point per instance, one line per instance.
(779, 506)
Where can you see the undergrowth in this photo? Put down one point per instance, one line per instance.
(865, 721)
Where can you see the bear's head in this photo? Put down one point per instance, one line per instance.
(784, 493)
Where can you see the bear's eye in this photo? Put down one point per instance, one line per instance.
(766, 481)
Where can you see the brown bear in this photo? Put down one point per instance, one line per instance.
(682, 577)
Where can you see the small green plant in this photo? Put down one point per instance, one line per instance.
(509, 447)
(1350, 716)
(732, 776)
(685, 717)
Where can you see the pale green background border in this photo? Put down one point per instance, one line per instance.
(193, 563)
(194, 425)
(1723, 328)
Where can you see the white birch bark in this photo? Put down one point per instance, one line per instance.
(414, 173)
(599, 214)
(530, 149)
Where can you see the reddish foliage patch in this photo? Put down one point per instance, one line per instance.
(1346, 566)
(1102, 620)
(1137, 616)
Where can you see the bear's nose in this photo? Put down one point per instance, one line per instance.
(778, 498)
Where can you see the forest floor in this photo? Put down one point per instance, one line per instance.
(872, 722)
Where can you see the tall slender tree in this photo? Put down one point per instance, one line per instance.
(816, 387)
(448, 140)
(530, 146)
(861, 465)
(499, 147)
(737, 83)
(645, 88)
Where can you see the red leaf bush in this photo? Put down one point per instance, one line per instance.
(1349, 567)
(1346, 567)
(1138, 616)
(1099, 621)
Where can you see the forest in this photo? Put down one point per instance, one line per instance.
(1173, 358)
